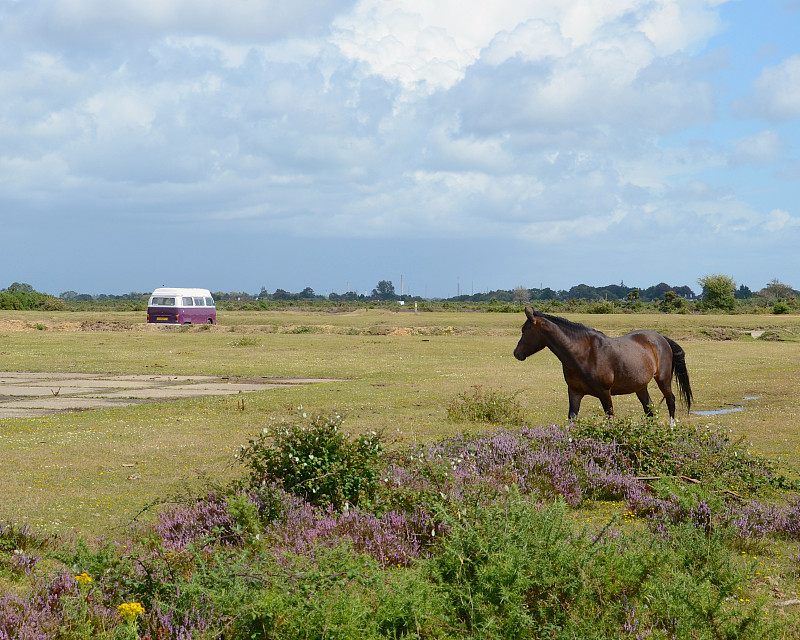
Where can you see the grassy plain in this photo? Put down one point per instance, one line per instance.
(94, 471)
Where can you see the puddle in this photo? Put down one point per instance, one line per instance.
(718, 412)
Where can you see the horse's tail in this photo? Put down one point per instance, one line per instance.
(680, 372)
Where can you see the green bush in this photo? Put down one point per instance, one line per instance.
(493, 407)
(601, 307)
(514, 569)
(314, 461)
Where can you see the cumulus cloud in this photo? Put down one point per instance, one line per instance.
(763, 147)
(429, 45)
(779, 220)
(776, 92)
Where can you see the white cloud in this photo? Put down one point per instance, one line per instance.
(549, 231)
(429, 45)
(778, 220)
(760, 148)
(776, 93)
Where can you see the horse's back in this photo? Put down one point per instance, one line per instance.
(646, 337)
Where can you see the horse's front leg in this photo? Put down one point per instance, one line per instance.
(605, 400)
(575, 398)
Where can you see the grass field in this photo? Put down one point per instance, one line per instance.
(94, 471)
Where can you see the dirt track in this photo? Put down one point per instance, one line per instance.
(33, 394)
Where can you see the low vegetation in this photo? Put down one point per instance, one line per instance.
(598, 529)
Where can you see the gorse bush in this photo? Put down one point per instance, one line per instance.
(516, 569)
(492, 407)
(314, 460)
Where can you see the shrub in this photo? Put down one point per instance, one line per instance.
(314, 461)
(601, 307)
(493, 407)
(515, 569)
(703, 453)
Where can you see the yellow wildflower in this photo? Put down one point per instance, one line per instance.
(130, 610)
(83, 578)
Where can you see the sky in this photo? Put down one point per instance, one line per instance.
(453, 146)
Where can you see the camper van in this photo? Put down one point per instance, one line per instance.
(181, 306)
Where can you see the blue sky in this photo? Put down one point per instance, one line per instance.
(462, 146)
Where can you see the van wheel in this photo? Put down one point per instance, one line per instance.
(210, 321)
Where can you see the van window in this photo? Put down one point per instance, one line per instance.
(199, 302)
(209, 302)
(187, 302)
(163, 302)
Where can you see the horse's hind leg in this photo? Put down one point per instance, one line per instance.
(666, 388)
(647, 404)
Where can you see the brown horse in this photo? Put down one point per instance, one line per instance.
(597, 365)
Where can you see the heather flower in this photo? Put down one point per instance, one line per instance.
(205, 520)
(21, 561)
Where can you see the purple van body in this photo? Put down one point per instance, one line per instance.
(181, 306)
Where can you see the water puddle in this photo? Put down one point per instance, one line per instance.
(719, 412)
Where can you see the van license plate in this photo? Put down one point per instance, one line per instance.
(161, 319)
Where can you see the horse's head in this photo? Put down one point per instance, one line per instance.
(532, 340)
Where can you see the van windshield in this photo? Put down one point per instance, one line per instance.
(163, 302)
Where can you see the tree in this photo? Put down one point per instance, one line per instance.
(776, 290)
(281, 294)
(718, 291)
(21, 287)
(521, 295)
(583, 292)
(384, 291)
(743, 292)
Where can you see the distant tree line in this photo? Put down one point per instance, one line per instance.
(611, 292)
(718, 293)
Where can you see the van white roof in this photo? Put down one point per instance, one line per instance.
(181, 291)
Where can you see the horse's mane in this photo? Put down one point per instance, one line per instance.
(573, 329)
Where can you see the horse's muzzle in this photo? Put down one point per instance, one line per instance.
(519, 355)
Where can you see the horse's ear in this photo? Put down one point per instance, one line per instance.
(529, 313)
